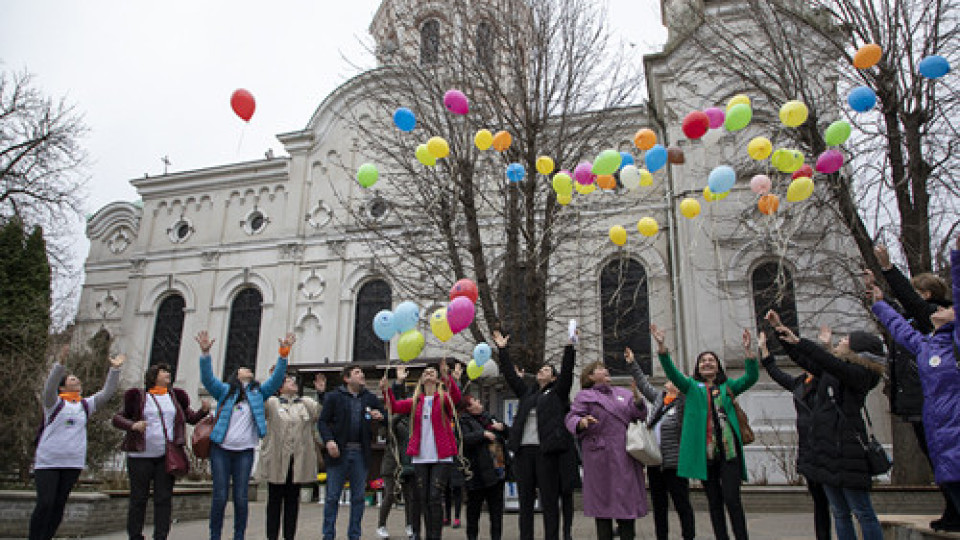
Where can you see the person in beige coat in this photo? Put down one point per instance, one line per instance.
(288, 455)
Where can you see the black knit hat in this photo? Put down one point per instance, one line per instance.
(866, 342)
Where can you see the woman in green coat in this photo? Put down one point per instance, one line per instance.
(711, 447)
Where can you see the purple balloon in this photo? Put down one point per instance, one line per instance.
(460, 313)
(830, 161)
(716, 116)
(583, 174)
(456, 102)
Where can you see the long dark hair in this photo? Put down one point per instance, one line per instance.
(236, 387)
(721, 374)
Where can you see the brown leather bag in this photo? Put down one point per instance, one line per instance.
(746, 432)
(200, 440)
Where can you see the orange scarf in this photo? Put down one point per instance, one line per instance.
(808, 379)
(668, 399)
(72, 397)
(158, 390)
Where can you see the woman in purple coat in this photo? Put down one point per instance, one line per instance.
(940, 377)
(613, 482)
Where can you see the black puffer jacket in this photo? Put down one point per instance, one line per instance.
(838, 434)
(477, 449)
(804, 400)
(552, 403)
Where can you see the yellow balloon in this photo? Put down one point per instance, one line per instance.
(439, 325)
(423, 156)
(544, 165)
(618, 235)
(473, 370)
(738, 99)
(709, 196)
(690, 208)
(438, 147)
(760, 148)
(483, 139)
(562, 183)
(793, 113)
(646, 179)
(585, 189)
(800, 189)
(787, 160)
(648, 226)
(565, 199)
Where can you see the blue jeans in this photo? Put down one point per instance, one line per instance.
(226, 465)
(349, 466)
(843, 501)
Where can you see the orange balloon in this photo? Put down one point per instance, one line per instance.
(501, 141)
(867, 56)
(768, 204)
(606, 181)
(645, 139)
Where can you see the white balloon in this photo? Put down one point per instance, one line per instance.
(490, 369)
(630, 177)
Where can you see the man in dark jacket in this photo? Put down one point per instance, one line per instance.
(344, 426)
(543, 449)
(484, 446)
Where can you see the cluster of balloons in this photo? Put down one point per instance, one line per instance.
(500, 141)
(403, 321)
(480, 365)
(647, 226)
(459, 313)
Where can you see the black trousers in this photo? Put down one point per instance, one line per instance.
(663, 482)
(452, 501)
(723, 490)
(143, 472)
(284, 496)
(493, 496)
(821, 509)
(431, 480)
(626, 527)
(950, 512)
(53, 489)
(537, 472)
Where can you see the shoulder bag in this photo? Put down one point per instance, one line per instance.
(200, 440)
(746, 432)
(175, 458)
(642, 444)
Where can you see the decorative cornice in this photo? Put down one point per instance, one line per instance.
(113, 215)
(253, 172)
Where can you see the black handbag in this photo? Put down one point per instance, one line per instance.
(878, 462)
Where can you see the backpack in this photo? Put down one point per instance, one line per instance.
(53, 414)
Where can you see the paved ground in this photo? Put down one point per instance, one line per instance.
(761, 526)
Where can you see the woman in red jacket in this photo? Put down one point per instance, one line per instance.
(151, 416)
(432, 442)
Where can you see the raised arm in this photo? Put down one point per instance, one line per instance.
(215, 386)
(397, 406)
(751, 369)
(769, 363)
(913, 304)
(507, 368)
(275, 381)
(955, 274)
(565, 379)
(110, 386)
(681, 381)
(51, 388)
(901, 330)
(639, 377)
(850, 374)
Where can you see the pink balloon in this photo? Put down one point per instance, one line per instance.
(760, 184)
(583, 174)
(460, 313)
(716, 116)
(456, 102)
(830, 161)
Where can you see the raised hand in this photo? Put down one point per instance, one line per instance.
(444, 369)
(826, 335)
(869, 280)
(659, 337)
(500, 340)
(762, 343)
(786, 335)
(118, 360)
(458, 371)
(747, 340)
(289, 340)
(874, 294)
(883, 256)
(204, 341)
(628, 355)
(773, 318)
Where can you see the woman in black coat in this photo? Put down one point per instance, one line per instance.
(544, 454)
(484, 445)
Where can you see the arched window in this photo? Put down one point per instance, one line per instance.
(243, 337)
(373, 296)
(429, 41)
(773, 289)
(167, 333)
(484, 44)
(625, 313)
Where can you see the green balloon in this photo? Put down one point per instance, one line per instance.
(738, 117)
(607, 162)
(837, 133)
(410, 345)
(368, 174)
(424, 156)
(473, 370)
(562, 184)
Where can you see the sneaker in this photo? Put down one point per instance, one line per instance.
(409, 531)
(382, 532)
(456, 524)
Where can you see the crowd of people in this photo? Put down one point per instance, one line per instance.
(442, 442)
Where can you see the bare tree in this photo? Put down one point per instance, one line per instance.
(542, 71)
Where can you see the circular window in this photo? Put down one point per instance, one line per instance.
(377, 208)
(180, 231)
(255, 222)
(183, 230)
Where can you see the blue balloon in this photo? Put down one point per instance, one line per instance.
(404, 119)
(481, 353)
(655, 158)
(862, 98)
(722, 179)
(406, 316)
(626, 158)
(934, 66)
(516, 172)
(383, 325)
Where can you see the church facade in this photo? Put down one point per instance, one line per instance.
(250, 251)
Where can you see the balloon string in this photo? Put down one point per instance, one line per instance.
(243, 130)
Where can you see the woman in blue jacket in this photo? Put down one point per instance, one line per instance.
(240, 425)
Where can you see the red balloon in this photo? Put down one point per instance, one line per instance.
(696, 124)
(243, 104)
(465, 288)
(805, 171)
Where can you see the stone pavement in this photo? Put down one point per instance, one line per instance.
(767, 526)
